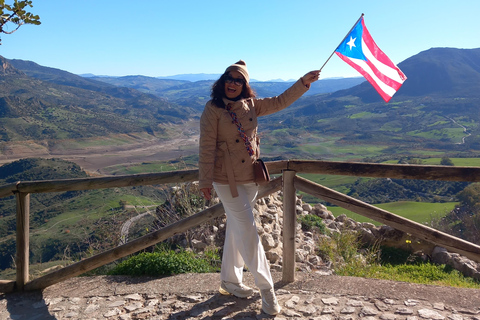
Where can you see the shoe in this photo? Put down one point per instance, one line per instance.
(237, 289)
(269, 302)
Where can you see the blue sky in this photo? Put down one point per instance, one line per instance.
(277, 39)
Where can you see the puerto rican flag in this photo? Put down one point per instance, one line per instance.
(362, 53)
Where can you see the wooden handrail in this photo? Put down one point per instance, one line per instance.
(8, 190)
(290, 167)
(373, 170)
(395, 171)
(140, 243)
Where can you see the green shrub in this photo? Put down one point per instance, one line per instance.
(310, 222)
(394, 256)
(349, 258)
(167, 262)
(343, 249)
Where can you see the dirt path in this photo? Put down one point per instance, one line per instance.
(195, 296)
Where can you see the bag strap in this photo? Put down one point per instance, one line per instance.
(248, 145)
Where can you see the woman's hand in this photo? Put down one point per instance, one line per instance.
(310, 77)
(207, 193)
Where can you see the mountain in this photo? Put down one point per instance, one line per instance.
(39, 103)
(192, 77)
(196, 94)
(435, 109)
(445, 72)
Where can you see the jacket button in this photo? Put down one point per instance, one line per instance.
(251, 119)
(243, 161)
(237, 141)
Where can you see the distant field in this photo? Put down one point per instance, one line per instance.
(153, 166)
(320, 147)
(330, 181)
(150, 167)
(460, 162)
(454, 134)
(420, 212)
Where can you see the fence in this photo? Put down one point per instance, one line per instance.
(288, 181)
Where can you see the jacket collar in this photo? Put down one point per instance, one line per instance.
(240, 107)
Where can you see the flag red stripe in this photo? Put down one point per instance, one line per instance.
(374, 49)
(389, 82)
(386, 97)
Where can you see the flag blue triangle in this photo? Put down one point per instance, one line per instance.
(352, 45)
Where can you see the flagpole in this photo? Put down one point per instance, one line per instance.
(342, 41)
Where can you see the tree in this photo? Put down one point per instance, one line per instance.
(16, 15)
(446, 161)
(470, 198)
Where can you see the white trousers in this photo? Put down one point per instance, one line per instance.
(242, 243)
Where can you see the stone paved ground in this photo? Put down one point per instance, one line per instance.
(195, 296)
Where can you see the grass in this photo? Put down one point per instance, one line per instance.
(421, 212)
(140, 168)
(453, 134)
(153, 166)
(342, 250)
(459, 162)
(312, 146)
(435, 161)
(361, 115)
(329, 181)
(422, 273)
(166, 262)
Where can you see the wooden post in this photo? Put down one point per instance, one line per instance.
(289, 226)
(23, 234)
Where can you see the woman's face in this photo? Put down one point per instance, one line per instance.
(234, 83)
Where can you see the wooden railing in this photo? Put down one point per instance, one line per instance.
(288, 180)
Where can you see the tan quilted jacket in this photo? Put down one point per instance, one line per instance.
(223, 156)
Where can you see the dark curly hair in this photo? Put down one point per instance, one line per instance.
(218, 91)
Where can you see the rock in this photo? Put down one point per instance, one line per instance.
(268, 242)
(197, 244)
(430, 314)
(307, 207)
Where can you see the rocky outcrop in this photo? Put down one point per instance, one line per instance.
(7, 69)
(269, 220)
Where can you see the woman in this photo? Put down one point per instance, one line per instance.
(227, 153)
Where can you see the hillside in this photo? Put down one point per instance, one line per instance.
(39, 103)
(429, 113)
(65, 225)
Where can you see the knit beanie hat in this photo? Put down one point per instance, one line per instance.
(241, 67)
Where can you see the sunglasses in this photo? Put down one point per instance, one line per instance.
(236, 81)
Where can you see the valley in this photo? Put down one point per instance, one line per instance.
(96, 154)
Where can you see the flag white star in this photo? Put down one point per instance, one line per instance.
(351, 43)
